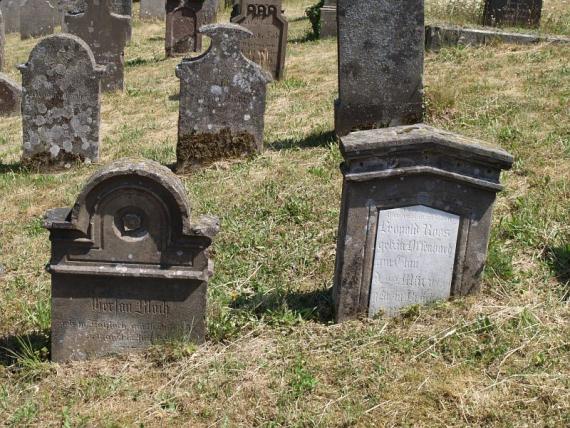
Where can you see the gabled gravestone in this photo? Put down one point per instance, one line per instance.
(128, 268)
(512, 13)
(60, 103)
(106, 34)
(38, 18)
(10, 96)
(268, 45)
(222, 101)
(415, 218)
(381, 59)
(11, 12)
(153, 9)
(183, 19)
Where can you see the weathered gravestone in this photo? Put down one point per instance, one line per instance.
(328, 19)
(381, 59)
(2, 41)
(268, 45)
(183, 19)
(128, 268)
(512, 13)
(60, 103)
(11, 12)
(153, 9)
(122, 7)
(415, 218)
(210, 9)
(10, 96)
(106, 33)
(38, 18)
(222, 101)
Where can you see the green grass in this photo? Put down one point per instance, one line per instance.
(273, 356)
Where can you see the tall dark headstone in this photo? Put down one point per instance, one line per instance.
(11, 12)
(381, 59)
(128, 269)
(38, 18)
(265, 20)
(415, 218)
(512, 13)
(10, 96)
(183, 19)
(60, 103)
(328, 19)
(222, 101)
(152, 9)
(106, 33)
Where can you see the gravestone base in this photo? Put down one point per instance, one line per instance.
(415, 218)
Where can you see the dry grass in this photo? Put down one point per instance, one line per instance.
(273, 357)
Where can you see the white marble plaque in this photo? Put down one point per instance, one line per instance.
(413, 259)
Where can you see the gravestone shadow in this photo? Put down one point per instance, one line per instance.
(16, 167)
(318, 139)
(35, 345)
(559, 261)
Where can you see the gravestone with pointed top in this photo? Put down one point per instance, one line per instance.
(128, 268)
(106, 33)
(38, 18)
(183, 19)
(11, 11)
(512, 13)
(268, 46)
(152, 9)
(60, 103)
(222, 101)
(10, 96)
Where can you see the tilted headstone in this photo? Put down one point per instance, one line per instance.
(38, 18)
(2, 41)
(106, 33)
(152, 9)
(381, 59)
(128, 269)
(222, 101)
(512, 13)
(60, 103)
(10, 96)
(328, 19)
(11, 12)
(183, 19)
(415, 218)
(268, 45)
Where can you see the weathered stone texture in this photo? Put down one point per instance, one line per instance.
(60, 103)
(222, 101)
(38, 18)
(512, 13)
(265, 20)
(128, 268)
(381, 58)
(153, 9)
(183, 19)
(328, 19)
(10, 96)
(106, 34)
(11, 11)
(406, 192)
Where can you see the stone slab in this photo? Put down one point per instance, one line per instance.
(153, 9)
(328, 20)
(414, 258)
(10, 96)
(183, 19)
(512, 13)
(38, 18)
(11, 11)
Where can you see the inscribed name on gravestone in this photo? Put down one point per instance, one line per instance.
(60, 103)
(106, 34)
(414, 257)
(268, 45)
(10, 96)
(222, 101)
(38, 18)
(11, 12)
(151, 9)
(128, 268)
(512, 13)
(183, 19)
(381, 62)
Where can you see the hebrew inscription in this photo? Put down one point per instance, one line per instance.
(413, 259)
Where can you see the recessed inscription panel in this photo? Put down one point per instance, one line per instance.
(413, 258)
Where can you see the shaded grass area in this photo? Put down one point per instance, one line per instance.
(273, 357)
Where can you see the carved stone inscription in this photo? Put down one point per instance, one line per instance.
(414, 257)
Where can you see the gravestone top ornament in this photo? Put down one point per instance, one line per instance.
(222, 100)
(268, 46)
(128, 267)
(106, 33)
(415, 218)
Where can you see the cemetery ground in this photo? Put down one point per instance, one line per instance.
(273, 356)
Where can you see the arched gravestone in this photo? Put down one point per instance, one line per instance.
(268, 45)
(183, 19)
(60, 103)
(106, 34)
(38, 18)
(10, 96)
(11, 11)
(222, 101)
(512, 13)
(128, 268)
